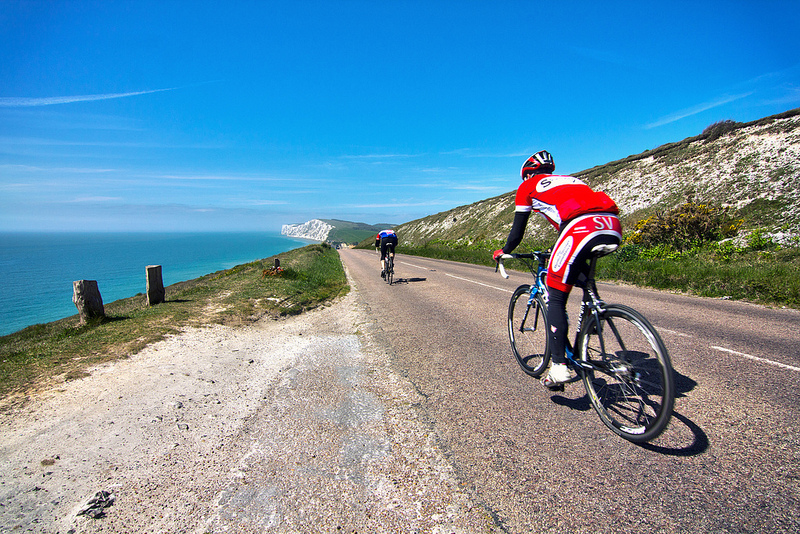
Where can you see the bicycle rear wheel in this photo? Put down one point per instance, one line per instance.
(389, 269)
(631, 382)
(528, 331)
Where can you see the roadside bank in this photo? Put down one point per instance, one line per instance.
(293, 425)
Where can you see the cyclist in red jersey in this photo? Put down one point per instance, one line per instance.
(384, 239)
(584, 219)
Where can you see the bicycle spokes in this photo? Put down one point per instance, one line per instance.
(630, 378)
(527, 331)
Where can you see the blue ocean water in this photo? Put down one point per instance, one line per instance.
(38, 269)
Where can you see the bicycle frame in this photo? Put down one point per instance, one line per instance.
(389, 263)
(590, 303)
(624, 364)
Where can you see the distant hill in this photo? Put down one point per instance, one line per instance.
(750, 167)
(334, 231)
(353, 232)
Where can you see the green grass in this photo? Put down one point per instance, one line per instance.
(313, 276)
(769, 277)
(64, 350)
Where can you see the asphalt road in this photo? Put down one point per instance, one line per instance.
(538, 461)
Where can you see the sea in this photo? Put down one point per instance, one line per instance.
(37, 269)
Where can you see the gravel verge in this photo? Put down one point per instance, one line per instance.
(296, 425)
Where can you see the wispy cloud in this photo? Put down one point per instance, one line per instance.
(486, 188)
(224, 178)
(377, 156)
(697, 109)
(80, 200)
(7, 141)
(213, 177)
(791, 95)
(255, 202)
(398, 204)
(471, 153)
(23, 102)
(36, 169)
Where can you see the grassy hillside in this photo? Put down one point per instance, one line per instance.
(753, 169)
(717, 214)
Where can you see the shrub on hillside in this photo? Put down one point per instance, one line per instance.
(689, 225)
(759, 240)
(718, 129)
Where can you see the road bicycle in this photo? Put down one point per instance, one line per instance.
(389, 263)
(617, 353)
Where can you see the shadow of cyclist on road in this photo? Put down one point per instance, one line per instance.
(683, 385)
(580, 404)
(407, 280)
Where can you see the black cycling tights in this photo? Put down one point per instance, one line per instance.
(557, 317)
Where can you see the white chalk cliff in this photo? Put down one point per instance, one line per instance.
(313, 229)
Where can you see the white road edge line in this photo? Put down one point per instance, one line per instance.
(479, 283)
(756, 358)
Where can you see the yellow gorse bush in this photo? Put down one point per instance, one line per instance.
(684, 227)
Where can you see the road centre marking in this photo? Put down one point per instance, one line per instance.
(460, 278)
(479, 283)
(756, 358)
(674, 332)
(417, 266)
(723, 349)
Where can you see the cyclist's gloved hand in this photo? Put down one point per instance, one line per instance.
(497, 254)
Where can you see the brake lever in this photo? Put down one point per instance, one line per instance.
(501, 267)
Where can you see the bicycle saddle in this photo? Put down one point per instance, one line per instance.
(604, 250)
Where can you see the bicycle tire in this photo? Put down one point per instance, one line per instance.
(630, 382)
(389, 269)
(528, 331)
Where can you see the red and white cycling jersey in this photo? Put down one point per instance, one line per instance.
(561, 198)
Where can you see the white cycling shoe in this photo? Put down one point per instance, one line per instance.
(558, 375)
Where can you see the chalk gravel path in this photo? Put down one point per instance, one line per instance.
(299, 425)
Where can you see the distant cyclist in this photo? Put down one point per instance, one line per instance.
(584, 218)
(387, 241)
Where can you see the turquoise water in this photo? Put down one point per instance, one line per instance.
(38, 269)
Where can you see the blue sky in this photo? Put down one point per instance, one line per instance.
(179, 116)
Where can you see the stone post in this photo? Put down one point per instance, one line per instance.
(86, 296)
(155, 285)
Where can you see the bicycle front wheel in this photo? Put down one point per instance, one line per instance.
(528, 331)
(629, 376)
